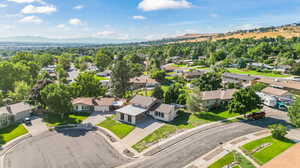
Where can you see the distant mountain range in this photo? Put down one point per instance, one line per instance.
(88, 40)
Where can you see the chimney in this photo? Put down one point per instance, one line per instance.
(8, 108)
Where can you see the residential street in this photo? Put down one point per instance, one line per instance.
(186, 151)
(71, 149)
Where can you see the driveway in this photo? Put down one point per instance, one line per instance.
(96, 118)
(38, 126)
(68, 149)
(141, 131)
(187, 150)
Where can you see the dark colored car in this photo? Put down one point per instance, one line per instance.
(256, 116)
(27, 121)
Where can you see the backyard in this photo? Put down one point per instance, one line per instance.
(119, 129)
(53, 120)
(251, 72)
(265, 149)
(230, 158)
(11, 132)
(183, 122)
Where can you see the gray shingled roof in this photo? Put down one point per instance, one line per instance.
(165, 108)
(16, 108)
(238, 76)
(143, 101)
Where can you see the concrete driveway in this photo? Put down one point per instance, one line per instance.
(68, 149)
(38, 126)
(96, 118)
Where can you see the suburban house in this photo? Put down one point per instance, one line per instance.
(140, 107)
(245, 80)
(105, 73)
(277, 92)
(193, 74)
(283, 68)
(87, 104)
(143, 81)
(164, 112)
(170, 68)
(19, 111)
(260, 65)
(216, 98)
(282, 84)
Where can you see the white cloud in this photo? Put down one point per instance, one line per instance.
(151, 5)
(78, 7)
(139, 17)
(61, 26)
(30, 9)
(75, 21)
(3, 5)
(31, 19)
(112, 34)
(8, 27)
(25, 1)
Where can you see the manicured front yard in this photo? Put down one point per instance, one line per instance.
(118, 128)
(268, 153)
(241, 161)
(249, 72)
(102, 78)
(183, 122)
(53, 120)
(11, 132)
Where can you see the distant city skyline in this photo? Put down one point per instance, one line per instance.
(139, 19)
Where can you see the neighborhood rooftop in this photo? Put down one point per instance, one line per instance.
(132, 110)
(285, 84)
(274, 91)
(239, 76)
(94, 101)
(16, 108)
(142, 79)
(143, 101)
(218, 94)
(165, 108)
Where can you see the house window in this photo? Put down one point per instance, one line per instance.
(122, 116)
(156, 114)
(129, 118)
(162, 115)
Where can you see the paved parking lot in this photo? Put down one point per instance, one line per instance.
(70, 149)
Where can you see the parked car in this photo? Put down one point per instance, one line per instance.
(27, 121)
(256, 115)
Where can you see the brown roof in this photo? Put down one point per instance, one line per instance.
(143, 101)
(94, 101)
(288, 159)
(170, 67)
(274, 91)
(287, 84)
(195, 73)
(142, 80)
(165, 108)
(218, 94)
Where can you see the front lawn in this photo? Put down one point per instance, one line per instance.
(101, 78)
(241, 161)
(251, 72)
(54, 120)
(268, 153)
(11, 132)
(183, 122)
(118, 128)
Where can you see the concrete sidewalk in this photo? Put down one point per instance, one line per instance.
(221, 151)
(141, 131)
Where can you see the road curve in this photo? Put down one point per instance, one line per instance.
(188, 150)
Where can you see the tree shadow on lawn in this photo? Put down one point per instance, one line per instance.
(54, 119)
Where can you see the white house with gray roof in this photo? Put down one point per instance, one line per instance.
(19, 111)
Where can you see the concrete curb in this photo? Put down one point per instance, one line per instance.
(228, 147)
(183, 135)
(116, 143)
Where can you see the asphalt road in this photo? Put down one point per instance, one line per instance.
(186, 151)
(71, 149)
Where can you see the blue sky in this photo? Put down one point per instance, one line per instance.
(139, 19)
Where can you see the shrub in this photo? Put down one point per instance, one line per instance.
(278, 131)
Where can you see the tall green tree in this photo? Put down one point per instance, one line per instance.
(294, 113)
(209, 81)
(103, 59)
(21, 92)
(194, 101)
(57, 99)
(120, 77)
(173, 93)
(87, 85)
(244, 101)
(158, 93)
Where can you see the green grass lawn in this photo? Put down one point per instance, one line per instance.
(231, 157)
(180, 65)
(102, 78)
(11, 132)
(184, 121)
(268, 153)
(54, 120)
(118, 128)
(266, 74)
